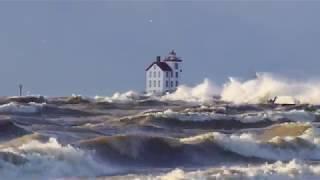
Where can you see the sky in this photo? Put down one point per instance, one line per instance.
(57, 48)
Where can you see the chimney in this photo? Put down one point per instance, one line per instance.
(158, 58)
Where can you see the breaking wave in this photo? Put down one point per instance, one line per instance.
(35, 159)
(281, 142)
(13, 107)
(266, 86)
(153, 151)
(189, 128)
(285, 150)
(48, 160)
(204, 92)
(258, 90)
(252, 117)
(276, 171)
(301, 142)
(119, 97)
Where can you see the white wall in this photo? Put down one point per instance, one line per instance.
(157, 76)
(174, 78)
(163, 78)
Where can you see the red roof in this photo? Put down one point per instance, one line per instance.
(162, 65)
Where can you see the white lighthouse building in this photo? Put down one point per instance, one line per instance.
(164, 75)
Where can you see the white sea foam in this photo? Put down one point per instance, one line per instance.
(20, 108)
(51, 160)
(267, 86)
(258, 90)
(79, 96)
(118, 97)
(293, 115)
(203, 92)
(276, 171)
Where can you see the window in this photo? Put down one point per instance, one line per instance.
(167, 83)
(154, 74)
(150, 83)
(171, 74)
(150, 74)
(171, 83)
(167, 74)
(177, 74)
(159, 74)
(154, 84)
(158, 83)
(177, 83)
(176, 65)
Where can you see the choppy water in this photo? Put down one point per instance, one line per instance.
(148, 138)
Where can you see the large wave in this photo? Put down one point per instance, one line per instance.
(267, 86)
(300, 142)
(294, 144)
(281, 142)
(27, 108)
(263, 87)
(251, 117)
(37, 158)
(158, 151)
(118, 97)
(48, 160)
(202, 92)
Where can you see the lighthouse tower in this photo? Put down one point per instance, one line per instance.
(175, 64)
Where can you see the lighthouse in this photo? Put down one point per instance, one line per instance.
(164, 75)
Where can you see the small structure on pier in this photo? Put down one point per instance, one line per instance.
(20, 89)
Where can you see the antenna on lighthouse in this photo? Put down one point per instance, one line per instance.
(20, 89)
